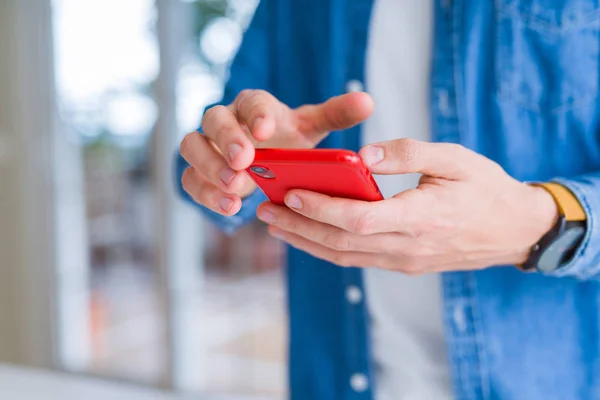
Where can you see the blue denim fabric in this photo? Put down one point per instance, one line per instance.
(515, 80)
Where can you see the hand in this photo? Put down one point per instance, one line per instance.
(466, 213)
(216, 177)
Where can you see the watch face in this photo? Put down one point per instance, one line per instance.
(561, 249)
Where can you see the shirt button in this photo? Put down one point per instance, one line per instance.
(353, 294)
(354, 86)
(359, 382)
(444, 103)
(459, 318)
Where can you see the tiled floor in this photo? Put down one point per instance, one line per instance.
(241, 332)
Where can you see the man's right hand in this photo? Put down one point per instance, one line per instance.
(218, 159)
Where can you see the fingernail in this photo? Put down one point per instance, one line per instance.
(227, 176)
(226, 203)
(373, 155)
(234, 150)
(294, 202)
(266, 216)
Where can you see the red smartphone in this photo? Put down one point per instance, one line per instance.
(336, 173)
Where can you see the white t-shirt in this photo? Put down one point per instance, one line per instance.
(409, 351)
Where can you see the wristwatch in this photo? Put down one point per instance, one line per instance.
(558, 246)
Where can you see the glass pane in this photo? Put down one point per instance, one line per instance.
(106, 62)
(241, 306)
(107, 59)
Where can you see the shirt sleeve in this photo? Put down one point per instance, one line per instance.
(227, 224)
(250, 70)
(586, 261)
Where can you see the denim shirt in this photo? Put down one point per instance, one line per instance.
(515, 80)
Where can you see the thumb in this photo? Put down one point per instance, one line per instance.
(405, 156)
(337, 113)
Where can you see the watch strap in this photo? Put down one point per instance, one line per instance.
(567, 203)
(558, 244)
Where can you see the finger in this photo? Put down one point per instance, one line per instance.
(340, 258)
(221, 126)
(207, 161)
(337, 113)
(403, 156)
(327, 235)
(261, 112)
(359, 217)
(208, 195)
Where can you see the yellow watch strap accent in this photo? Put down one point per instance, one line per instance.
(567, 203)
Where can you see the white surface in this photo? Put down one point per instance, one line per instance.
(407, 331)
(26, 200)
(178, 228)
(22, 384)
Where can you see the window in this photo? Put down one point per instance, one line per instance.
(148, 292)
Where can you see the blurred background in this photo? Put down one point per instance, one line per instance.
(103, 270)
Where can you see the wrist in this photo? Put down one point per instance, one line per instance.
(541, 214)
(545, 212)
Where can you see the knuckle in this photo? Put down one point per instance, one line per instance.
(337, 242)
(219, 110)
(243, 94)
(225, 132)
(316, 211)
(207, 117)
(342, 260)
(211, 114)
(414, 253)
(262, 93)
(222, 131)
(419, 232)
(186, 144)
(258, 109)
(435, 225)
(249, 99)
(410, 150)
(193, 186)
(365, 223)
(494, 168)
(384, 263)
(289, 224)
(455, 148)
(187, 179)
(411, 269)
(212, 117)
(336, 118)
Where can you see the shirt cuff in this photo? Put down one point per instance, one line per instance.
(585, 263)
(227, 224)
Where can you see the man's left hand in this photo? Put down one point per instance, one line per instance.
(467, 213)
